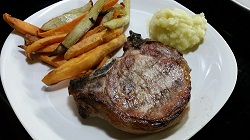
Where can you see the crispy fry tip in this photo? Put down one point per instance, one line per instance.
(21, 46)
(28, 54)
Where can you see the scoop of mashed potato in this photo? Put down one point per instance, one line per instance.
(177, 28)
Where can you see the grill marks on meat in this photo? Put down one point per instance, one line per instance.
(144, 91)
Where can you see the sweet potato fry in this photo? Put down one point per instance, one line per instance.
(54, 61)
(93, 31)
(46, 49)
(43, 42)
(91, 42)
(20, 25)
(108, 4)
(84, 62)
(80, 29)
(66, 28)
(29, 39)
(106, 58)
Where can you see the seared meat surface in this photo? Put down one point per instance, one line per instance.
(144, 91)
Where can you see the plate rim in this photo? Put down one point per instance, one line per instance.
(60, 2)
(246, 7)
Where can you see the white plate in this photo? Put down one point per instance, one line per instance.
(50, 113)
(244, 3)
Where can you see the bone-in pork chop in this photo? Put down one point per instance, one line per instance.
(145, 90)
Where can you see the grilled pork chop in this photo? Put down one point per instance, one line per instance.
(144, 91)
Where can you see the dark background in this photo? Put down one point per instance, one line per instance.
(229, 19)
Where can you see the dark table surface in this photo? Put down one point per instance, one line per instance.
(229, 19)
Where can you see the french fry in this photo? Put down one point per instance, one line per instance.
(43, 42)
(88, 40)
(29, 39)
(84, 62)
(107, 17)
(83, 73)
(66, 28)
(116, 11)
(54, 61)
(91, 42)
(80, 29)
(93, 31)
(117, 22)
(21, 26)
(122, 21)
(66, 17)
(108, 4)
(24, 47)
(119, 11)
(106, 58)
(84, 45)
(46, 49)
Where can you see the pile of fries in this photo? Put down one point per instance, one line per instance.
(77, 46)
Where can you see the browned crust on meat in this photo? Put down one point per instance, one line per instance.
(128, 100)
